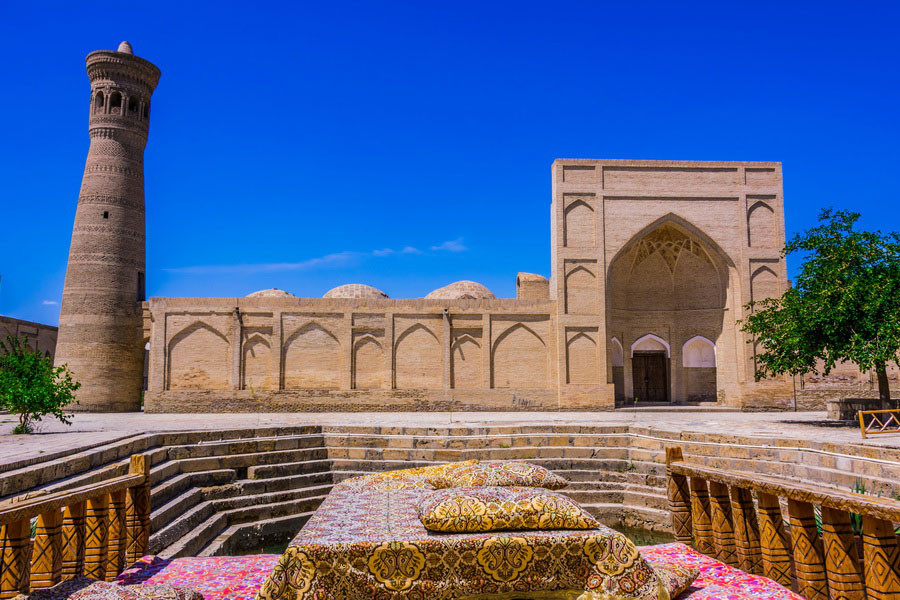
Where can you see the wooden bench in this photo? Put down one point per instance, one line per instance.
(737, 518)
(881, 421)
(93, 531)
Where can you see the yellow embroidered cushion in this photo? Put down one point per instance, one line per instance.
(475, 509)
(405, 479)
(675, 578)
(499, 473)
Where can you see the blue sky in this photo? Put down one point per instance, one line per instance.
(408, 144)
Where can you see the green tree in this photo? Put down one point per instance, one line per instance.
(844, 305)
(31, 387)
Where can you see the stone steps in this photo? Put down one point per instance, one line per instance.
(236, 538)
(203, 533)
(439, 455)
(272, 484)
(475, 442)
(217, 492)
(180, 527)
(166, 490)
(249, 446)
(175, 508)
(289, 469)
(251, 459)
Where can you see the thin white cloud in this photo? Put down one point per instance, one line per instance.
(337, 260)
(451, 246)
(49, 302)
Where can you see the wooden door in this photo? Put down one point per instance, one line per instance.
(651, 381)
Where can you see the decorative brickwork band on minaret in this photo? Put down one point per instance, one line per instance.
(100, 319)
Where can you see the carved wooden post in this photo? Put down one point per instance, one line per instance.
(845, 577)
(115, 539)
(746, 531)
(137, 511)
(774, 548)
(95, 537)
(882, 559)
(679, 498)
(809, 561)
(702, 521)
(722, 526)
(46, 557)
(73, 541)
(14, 540)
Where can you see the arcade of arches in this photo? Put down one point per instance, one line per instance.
(652, 264)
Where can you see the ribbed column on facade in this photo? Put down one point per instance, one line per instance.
(100, 328)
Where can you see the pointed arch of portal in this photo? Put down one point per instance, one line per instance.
(672, 278)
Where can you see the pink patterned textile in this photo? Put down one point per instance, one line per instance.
(717, 581)
(241, 577)
(216, 577)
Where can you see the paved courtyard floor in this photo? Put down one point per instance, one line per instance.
(93, 429)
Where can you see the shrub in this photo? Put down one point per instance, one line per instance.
(31, 387)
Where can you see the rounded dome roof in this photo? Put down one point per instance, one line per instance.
(355, 290)
(271, 293)
(461, 290)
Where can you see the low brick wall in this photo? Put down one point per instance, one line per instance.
(846, 409)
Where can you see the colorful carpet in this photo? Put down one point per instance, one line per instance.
(216, 577)
(717, 581)
(241, 577)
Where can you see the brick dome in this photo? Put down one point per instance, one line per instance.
(461, 290)
(355, 290)
(271, 293)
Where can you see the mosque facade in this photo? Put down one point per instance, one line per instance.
(653, 263)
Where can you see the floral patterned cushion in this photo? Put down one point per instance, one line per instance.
(85, 588)
(476, 509)
(499, 473)
(405, 479)
(675, 578)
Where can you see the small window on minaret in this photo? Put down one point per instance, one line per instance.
(132, 105)
(141, 289)
(115, 102)
(105, 214)
(147, 110)
(98, 102)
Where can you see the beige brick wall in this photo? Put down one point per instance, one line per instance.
(40, 337)
(646, 254)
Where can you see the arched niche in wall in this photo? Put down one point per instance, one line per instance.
(764, 283)
(368, 363)
(519, 359)
(617, 363)
(616, 353)
(761, 226)
(579, 228)
(256, 363)
(199, 359)
(650, 343)
(582, 365)
(699, 362)
(698, 352)
(312, 358)
(145, 344)
(465, 361)
(581, 288)
(418, 359)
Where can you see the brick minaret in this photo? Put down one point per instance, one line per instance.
(100, 318)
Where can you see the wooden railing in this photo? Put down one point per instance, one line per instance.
(879, 421)
(94, 531)
(714, 510)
